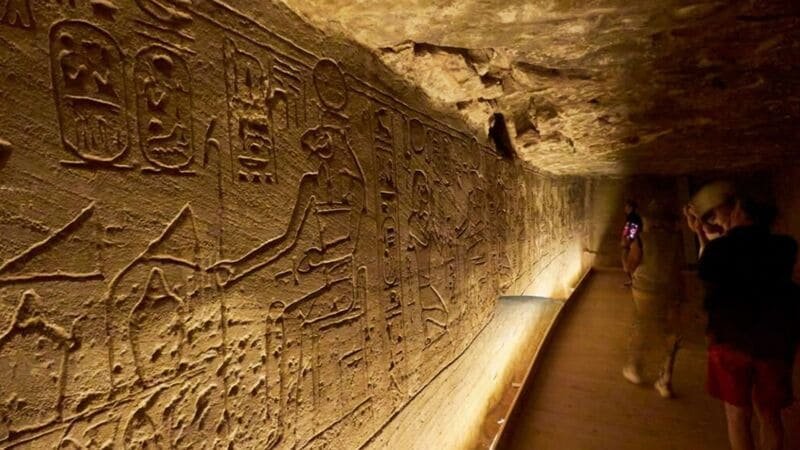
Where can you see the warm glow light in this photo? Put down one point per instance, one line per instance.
(449, 411)
(559, 277)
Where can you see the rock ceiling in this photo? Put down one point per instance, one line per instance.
(599, 86)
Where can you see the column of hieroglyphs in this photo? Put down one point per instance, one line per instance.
(211, 235)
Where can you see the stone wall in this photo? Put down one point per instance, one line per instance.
(787, 199)
(607, 219)
(212, 234)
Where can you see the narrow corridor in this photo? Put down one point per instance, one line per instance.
(578, 399)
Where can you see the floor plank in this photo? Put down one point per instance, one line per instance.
(578, 399)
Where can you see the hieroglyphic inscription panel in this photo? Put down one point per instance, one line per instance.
(212, 236)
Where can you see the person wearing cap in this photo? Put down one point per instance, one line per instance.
(751, 304)
(655, 261)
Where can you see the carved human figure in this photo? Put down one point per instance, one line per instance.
(34, 349)
(334, 194)
(89, 88)
(146, 308)
(316, 254)
(163, 107)
(472, 237)
(473, 229)
(156, 329)
(434, 309)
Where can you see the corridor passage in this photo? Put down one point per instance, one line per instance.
(578, 400)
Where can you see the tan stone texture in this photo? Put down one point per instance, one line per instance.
(600, 86)
(220, 228)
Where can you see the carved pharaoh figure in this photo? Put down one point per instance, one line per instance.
(146, 312)
(316, 254)
(335, 193)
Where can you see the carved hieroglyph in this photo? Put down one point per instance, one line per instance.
(214, 237)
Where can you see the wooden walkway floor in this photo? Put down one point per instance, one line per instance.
(578, 399)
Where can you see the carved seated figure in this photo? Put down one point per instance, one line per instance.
(325, 309)
(332, 196)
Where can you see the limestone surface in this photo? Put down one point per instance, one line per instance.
(220, 228)
(604, 86)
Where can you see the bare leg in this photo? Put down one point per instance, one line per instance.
(770, 427)
(739, 434)
(672, 341)
(664, 382)
(636, 343)
(625, 251)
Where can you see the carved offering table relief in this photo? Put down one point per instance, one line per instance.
(216, 237)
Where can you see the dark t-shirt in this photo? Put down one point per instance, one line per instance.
(632, 228)
(751, 301)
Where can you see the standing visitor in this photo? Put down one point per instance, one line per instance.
(752, 312)
(655, 260)
(630, 233)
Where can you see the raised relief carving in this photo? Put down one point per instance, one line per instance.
(33, 348)
(471, 235)
(287, 100)
(17, 13)
(89, 86)
(141, 431)
(5, 152)
(104, 9)
(74, 262)
(433, 307)
(156, 330)
(175, 321)
(164, 110)
(145, 310)
(501, 215)
(416, 136)
(250, 133)
(389, 248)
(275, 371)
(316, 254)
(330, 84)
(441, 161)
(335, 191)
(100, 432)
(170, 12)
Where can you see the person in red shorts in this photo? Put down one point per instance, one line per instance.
(752, 312)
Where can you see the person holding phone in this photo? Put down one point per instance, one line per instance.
(630, 234)
(655, 261)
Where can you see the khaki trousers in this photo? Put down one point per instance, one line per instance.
(655, 324)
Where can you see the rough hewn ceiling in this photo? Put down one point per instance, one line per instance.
(600, 86)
